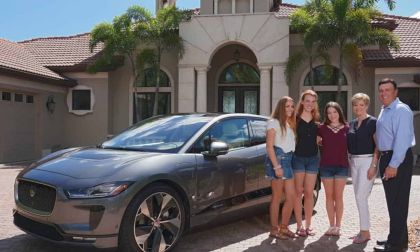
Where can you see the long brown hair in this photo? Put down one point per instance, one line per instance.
(337, 107)
(279, 113)
(315, 111)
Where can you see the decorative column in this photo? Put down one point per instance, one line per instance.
(216, 7)
(265, 89)
(280, 87)
(186, 89)
(201, 97)
(251, 6)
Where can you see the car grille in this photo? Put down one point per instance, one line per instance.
(37, 228)
(36, 196)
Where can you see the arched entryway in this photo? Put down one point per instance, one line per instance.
(234, 80)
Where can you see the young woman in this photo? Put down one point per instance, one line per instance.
(334, 163)
(363, 160)
(278, 165)
(305, 159)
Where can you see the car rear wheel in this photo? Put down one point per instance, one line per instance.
(153, 221)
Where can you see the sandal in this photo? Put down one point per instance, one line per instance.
(359, 239)
(301, 232)
(336, 232)
(330, 231)
(275, 233)
(309, 231)
(285, 231)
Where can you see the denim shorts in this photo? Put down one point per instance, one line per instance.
(306, 164)
(284, 159)
(334, 172)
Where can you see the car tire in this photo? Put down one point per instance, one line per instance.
(153, 221)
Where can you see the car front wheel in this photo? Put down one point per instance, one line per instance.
(154, 220)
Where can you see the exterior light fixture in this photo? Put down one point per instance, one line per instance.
(50, 104)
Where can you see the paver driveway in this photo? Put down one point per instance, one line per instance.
(250, 234)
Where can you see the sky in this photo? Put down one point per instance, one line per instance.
(27, 19)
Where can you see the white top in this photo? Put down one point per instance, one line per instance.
(287, 141)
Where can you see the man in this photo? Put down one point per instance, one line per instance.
(395, 137)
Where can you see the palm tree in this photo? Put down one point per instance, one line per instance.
(160, 34)
(142, 39)
(302, 21)
(346, 25)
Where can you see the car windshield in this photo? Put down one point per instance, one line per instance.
(158, 134)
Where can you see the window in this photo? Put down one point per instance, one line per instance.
(18, 97)
(325, 83)
(6, 96)
(234, 132)
(146, 101)
(258, 129)
(29, 99)
(80, 100)
(325, 76)
(239, 73)
(410, 96)
(144, 95)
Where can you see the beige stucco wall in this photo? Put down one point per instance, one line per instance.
(29, 129)
(91, 128)
(265, 35)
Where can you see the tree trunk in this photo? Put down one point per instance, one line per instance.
(311, 73)
(156, 102)
(340, 77)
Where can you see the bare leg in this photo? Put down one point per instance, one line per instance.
(339, 185)
(277, 190)
(310, 180)
(299, 178)
(289, 189)
(329, 199)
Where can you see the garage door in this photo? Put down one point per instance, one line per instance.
(17, 129)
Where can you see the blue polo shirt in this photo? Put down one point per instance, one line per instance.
(395, 131)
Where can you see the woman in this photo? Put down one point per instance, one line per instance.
(280, 146)
(306, 160)
(363, 160)
(334, 163)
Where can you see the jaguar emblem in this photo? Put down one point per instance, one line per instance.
(32, 192)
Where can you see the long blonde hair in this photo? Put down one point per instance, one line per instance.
(279, 113)
(315, 111)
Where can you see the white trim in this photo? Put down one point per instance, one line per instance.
(251, 6)
(70, 100)
(233, 6)
(215, 7)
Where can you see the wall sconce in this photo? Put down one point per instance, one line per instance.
(50, 104)
(236, 55)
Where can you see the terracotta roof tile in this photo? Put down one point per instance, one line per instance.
(14, 57)
(408, 31)
(63, 51)
(285, 10)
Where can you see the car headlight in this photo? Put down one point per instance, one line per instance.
(98, 191)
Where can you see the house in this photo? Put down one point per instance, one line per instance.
(234, 61)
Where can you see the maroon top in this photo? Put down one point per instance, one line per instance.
(334, 146)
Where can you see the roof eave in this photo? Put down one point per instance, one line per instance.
(32, 76)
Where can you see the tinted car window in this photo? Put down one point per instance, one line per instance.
(234, 132)
(259, 129)
(158, 134)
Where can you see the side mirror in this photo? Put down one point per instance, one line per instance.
(216, 149)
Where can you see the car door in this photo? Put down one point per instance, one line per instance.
(221, 180)
(258, 129)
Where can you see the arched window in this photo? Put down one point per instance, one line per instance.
(325, 83)
(325, 76)
(239, 73)
(144, 95)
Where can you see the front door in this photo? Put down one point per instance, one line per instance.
(234, 99)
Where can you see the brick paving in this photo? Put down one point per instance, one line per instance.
(250, 234)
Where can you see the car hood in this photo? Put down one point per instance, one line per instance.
(92, 162)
